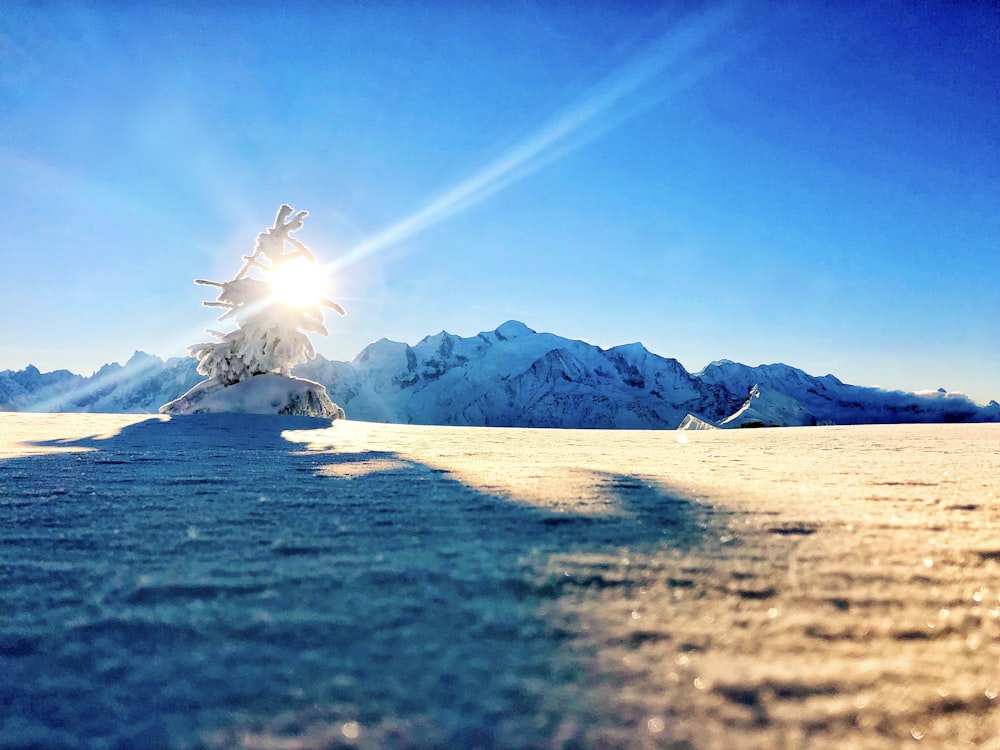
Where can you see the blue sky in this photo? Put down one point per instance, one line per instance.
(811, 183)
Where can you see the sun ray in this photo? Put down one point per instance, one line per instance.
(298, 283)
(675, 61)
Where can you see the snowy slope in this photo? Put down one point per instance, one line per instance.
(830, 400)
(514, 376)
(141, 385)
(768, 408)
(20, 389)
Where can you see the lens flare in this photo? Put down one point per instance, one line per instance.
(298, 283)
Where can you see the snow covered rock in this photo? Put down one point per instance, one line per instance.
(691, 422)
(262, 394)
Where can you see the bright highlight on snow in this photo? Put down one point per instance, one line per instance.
(298, 283)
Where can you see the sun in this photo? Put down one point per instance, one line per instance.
(298, 283)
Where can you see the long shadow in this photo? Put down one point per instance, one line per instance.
(205, 582)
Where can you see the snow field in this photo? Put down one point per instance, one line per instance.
(253, 581)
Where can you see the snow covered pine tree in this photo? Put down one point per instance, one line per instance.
(275, 299)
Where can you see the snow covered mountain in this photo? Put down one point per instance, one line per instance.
(827, 400)
(513, 376)
(140, 385)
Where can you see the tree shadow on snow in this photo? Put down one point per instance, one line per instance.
(205, 582)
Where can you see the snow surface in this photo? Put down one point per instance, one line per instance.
(254, 581)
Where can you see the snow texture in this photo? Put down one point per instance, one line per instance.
(251, 581)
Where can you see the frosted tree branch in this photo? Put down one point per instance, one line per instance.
(270, 336)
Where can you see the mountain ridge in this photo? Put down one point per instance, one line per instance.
(514, 376)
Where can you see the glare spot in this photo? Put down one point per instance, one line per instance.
(699, 683)
(772, 613)
(991, 693)
(635, 614)
(682, 439)
(972, 642)
(928, 562)
(298, 283)
(351, 730)
(916, 734)
(866, 721)
(655, 725)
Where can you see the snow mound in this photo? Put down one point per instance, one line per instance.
(768, 408)
(691, 422)
(261, 394)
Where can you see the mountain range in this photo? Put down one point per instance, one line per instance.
(516, 377)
